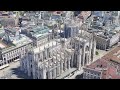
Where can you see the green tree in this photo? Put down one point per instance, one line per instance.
(97, 53)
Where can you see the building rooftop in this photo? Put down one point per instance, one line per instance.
(6, 21)
(2, 45)
(47, 45)
(109, 65)
(5, 44)
(114, 54)
(39, 31)
(16, 42)
(2, 32)
(22, 41)
(108, 34)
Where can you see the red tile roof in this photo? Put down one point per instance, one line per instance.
(108, 62)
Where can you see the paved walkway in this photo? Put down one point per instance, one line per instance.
(13, 72)
(103, 52)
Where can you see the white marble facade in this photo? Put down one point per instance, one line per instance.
(53, 61)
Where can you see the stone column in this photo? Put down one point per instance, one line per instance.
(42, 56)
(64, 65)
(72, 61)
(94, 48)
(38, 73)
(50, 73)
(48, 50)
(94, 45)
(93, 41)
(61, 67)
(68, 64)
(34, 67)
(87, 57)
(83, 52)
(46, 53)
(33, 74)
(28, 60)
(79, 61)
(90, 51)
(43, 73)
(54, 73)
(58, 70)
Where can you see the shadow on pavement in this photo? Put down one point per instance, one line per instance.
(20, 74)
(79, 76)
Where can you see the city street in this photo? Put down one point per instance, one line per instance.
(13, 72)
